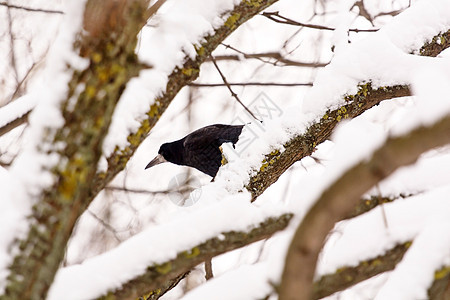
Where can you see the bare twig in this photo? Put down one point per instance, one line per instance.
(49, 11)
(276, 17)
(135, 191)
(274, 55)
(14, 124)
(154, 8)
(105, 225)
(231, 90)
(249, 84)
(12, 46)
(208, 269)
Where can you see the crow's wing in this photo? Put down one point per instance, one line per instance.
(215, 134)
(202, 146)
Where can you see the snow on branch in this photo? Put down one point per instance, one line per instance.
(346, 277)
(178, 78)
(339, 199)
(300, 146)
(93, 70)
(149, 266)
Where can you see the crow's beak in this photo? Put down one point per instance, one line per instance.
(156, 161)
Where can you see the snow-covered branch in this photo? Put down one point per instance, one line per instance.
(300, 146)
(340, 198)
(93, 77)
(346, 277)
(275, 164)
(178, 78)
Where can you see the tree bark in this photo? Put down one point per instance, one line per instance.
(340, 198)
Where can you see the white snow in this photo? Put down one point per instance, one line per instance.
(95, 276)
(383, 57)
(16, 109)
(415, 273)
(243, 283)
(29, 172)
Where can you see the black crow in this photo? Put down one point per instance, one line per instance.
(200, 149)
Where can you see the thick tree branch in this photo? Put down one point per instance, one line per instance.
(340, 198)
(158, 275)
(303, 145)
(86, 122)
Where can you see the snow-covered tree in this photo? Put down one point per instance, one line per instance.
(338, 186)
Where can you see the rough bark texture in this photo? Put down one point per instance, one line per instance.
(158, 275)
(440, 289)
(109, 47)
(303, 145)
(346, 277)
(341, 197)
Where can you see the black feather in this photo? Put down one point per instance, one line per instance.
(200, 149)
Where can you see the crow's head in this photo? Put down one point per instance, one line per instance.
(168, 152)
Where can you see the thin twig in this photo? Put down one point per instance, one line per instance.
(14, 123)
(49, 11)
(259, 56)
(135, 191)
(154, 8)
(231, 90)
(105, 225)
(276, 17)
(12, 47)
(249, 84)
(208, 269)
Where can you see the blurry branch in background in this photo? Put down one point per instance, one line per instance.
(179, 78)
(14, 123)
(277, 56)
(339, 199)
(12, 48)
(233, 94)
(163, 289)
(276, 17)
(304, 145)
(159, 275)
(41, 10)
(249, 84)
(363, 12)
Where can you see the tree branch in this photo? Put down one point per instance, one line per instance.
(340, 198)
(276, 17)
(48, 11)
(179, 78)
(157, 275)
(233, 94)
(249, 84)
(303, 145)
(274, 165)
(80, 140)
(14, 123)
(346, 277)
